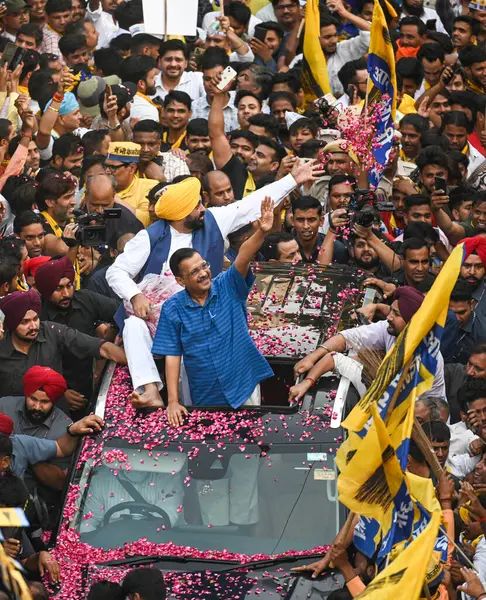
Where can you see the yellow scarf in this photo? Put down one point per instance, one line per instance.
(57, 229)
(403, 157)
(148, 99)
(23, 89)
(21, 285)
(52, 29)
(465, 150)
(250, 185)
(177, 143)
(474, 87)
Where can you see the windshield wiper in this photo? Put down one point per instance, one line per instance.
(141, 560)
(235, 564)
(271, 562)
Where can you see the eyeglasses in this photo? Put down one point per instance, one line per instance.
(114, 168)
(283, 7)
(202, 267)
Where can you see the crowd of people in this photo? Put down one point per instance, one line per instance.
(142, 174)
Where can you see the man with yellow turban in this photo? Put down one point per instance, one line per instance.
(122, 162)
(183, 223)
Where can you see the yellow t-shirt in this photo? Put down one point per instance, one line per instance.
(407, 105)
(136, 195)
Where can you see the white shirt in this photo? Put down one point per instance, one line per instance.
(249, 57)
(346, 50)
(104, 25)
(228, 218)
(462, 464)
(142, 109)
(9, 36)
(191, 83)
(376, 336)
(442, 236)
(475, 160)
(461, 437)
(267, 13)
(210, 18)
(46, 153)
(429, 15)
(201, 108)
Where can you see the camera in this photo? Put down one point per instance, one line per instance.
(90, 235)
(363, 201)
(327, 112)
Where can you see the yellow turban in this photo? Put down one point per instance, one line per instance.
(178, 200)
(341, 146)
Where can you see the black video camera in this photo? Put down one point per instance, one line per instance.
(327, 112)
(366, 198)
(94, 236)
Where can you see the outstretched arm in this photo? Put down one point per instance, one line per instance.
(249, 248)
(221, 146)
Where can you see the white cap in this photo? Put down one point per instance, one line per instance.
(140, 28)
(291, 117)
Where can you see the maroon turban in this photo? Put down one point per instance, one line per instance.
(409, 301)
(6, 425)
(49, 275)
(44, 379)
(15, 305)
(476, 244)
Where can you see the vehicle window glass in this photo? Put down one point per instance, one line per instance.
(246, 501)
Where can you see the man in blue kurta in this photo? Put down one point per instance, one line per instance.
(206, 324)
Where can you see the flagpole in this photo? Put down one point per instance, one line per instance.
(423, 443)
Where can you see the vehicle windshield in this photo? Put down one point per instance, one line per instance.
(246, 500)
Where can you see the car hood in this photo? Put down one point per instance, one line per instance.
(266, 584)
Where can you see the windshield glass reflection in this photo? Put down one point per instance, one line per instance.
(244, 501)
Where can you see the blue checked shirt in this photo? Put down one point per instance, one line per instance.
(223, 364)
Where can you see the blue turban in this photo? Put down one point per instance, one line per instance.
(68, 105)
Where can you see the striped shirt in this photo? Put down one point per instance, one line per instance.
(223, 364)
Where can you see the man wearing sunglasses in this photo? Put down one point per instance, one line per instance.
(122, 162)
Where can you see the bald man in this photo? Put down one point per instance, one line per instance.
(218, 190)
(100, 195)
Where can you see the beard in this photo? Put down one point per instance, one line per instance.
(150, 91)
(76, 171)
(367, 265)
(194, 224)
(472, 280)
(36, 417)
(414, 11)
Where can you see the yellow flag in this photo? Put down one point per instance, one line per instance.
(370, 481)
(314, 77)
(404, 578)
(424, 326)
(381, 58)
(382, 88)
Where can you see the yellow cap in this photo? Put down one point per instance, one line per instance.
(124, 151)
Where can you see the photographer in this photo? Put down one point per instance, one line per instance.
(100, 196)
(55, 199)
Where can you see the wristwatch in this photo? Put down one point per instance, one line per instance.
(68, 430)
